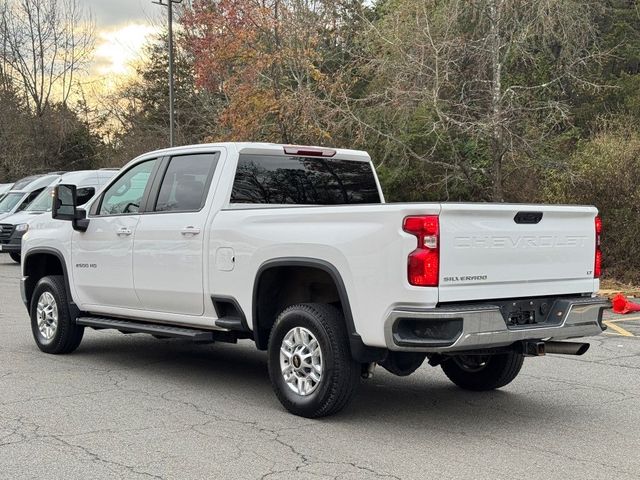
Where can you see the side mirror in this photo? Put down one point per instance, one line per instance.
(65, 207)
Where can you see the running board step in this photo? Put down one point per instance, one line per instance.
(231, 323)
(150, 328)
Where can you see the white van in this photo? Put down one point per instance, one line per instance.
(13, 227)
(24, 192)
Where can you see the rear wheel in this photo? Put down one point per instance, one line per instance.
(483, 372)
(310, 364)
(51, 324)
(15, 257)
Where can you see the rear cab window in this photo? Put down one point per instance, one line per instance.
(286, 180)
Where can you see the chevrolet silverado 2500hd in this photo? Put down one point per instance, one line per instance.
(295, 248)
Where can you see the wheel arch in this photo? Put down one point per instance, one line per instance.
(41, 262)
(265, 306)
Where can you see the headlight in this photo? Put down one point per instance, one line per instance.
(23, 227)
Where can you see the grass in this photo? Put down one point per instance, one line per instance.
(610, 287)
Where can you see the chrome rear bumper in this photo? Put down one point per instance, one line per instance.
(460, 328)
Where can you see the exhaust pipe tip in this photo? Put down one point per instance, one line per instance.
(583, 349)
(567, 348)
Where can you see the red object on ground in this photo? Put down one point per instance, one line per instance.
(622, 305)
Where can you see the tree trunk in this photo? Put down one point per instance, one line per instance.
(497, 137)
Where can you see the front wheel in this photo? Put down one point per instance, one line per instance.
(483, 372)
(51, 324)
(310, 364)
(15, 257)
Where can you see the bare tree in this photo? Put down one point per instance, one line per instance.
(45, 43)
(498, 74)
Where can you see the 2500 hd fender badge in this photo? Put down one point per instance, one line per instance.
(86, 265)
(466, 278)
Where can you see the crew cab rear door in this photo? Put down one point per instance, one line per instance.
(168, 257)
(490, 251)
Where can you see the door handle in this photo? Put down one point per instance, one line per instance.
(122, 231)
(190, 230)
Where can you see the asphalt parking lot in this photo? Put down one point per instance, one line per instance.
(136, 407)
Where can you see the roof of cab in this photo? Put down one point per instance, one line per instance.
(259, 148)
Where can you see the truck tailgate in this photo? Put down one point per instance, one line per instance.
(509, 251)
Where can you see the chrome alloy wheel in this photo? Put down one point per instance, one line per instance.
(301, 361)
(47, 315)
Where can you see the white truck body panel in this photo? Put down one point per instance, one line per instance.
(102, 247)
(366, 245)
(485, 254)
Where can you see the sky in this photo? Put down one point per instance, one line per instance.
(122, 26)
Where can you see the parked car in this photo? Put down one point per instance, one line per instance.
(12, 228)
(294, 248)
(4, 188)
(23, 193)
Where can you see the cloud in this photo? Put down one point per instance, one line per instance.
(119, 47)
(109, 13)
(122, 29)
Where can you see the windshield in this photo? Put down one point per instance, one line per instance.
(10, 201)
(22, 183)
(42, 203)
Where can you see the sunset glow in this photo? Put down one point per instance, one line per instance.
(118, 49)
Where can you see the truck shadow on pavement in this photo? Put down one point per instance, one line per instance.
(238, 373)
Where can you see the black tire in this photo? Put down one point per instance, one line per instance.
(340, 376)
(481, 373)
(15, 257)
(68, 335)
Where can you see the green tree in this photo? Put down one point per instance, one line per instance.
(473, 89)
(276, 64)
(605, 172)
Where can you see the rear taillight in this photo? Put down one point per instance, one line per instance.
(597, 266)
(424, 262)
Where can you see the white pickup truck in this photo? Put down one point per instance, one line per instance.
(294, 248)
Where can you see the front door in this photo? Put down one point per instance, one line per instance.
(102, 257)
(168, 248)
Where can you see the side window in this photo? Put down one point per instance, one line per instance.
(125, 195)
(186, 183)
(83, 195)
